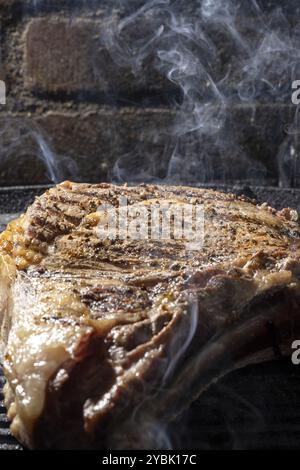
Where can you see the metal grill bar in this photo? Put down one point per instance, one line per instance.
(7, 441)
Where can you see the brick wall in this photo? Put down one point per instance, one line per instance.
(69, 100)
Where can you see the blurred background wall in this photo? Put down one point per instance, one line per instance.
(190, 91)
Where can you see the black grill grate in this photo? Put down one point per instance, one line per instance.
(7, 442)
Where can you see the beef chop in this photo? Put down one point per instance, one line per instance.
(105, 339)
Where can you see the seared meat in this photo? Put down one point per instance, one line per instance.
(105, 338)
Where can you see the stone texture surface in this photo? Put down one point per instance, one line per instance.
(59, 56)
(95, 141)
(75, 95)
(7, 3)
(138, 144)
(54, 144)
(70, 56)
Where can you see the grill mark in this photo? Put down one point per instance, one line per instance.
(76, 199)
(154, 289)
(51, 229)
(161, 190)
(73, 198)
(88, 190)
(57, 211)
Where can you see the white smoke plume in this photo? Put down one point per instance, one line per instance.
(230, 61)
(22, 140)
(224, 66)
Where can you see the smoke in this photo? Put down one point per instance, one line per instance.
(182, 341)
(142, 432)
(231, 63)
(233, 66)
(23, 145)
(222, 69)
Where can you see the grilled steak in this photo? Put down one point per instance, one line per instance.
(105, 338)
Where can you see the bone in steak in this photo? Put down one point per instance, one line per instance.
(102, 339)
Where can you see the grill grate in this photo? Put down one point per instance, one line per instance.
(253, 408)
(7, 441)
